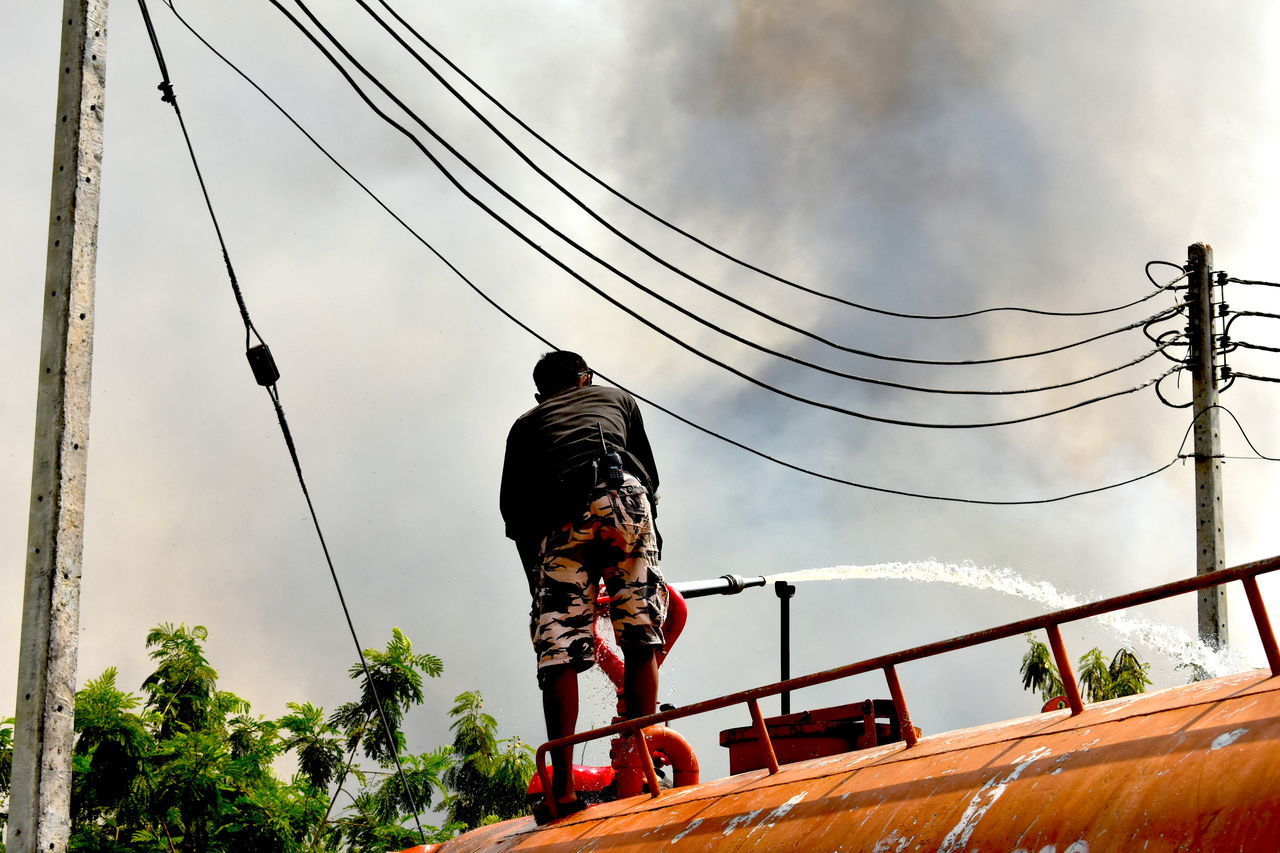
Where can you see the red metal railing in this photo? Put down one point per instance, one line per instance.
(1050, 623)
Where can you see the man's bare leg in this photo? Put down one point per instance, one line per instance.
(560, 707)
(640, 680)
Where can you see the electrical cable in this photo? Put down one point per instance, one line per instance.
(167, 95)
(1245, 436)
(528, 161)
(657, 218)
(1253, 281)
(655, 327)
(1165, 400)
(1170, 284)
(1235, 315)
(1257, 453)
(1246, 345)
(657, 406)
(1253, 377)
(417, 119)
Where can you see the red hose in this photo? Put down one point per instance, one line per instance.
(609, 660)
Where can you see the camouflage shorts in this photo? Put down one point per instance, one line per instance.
(612, 541)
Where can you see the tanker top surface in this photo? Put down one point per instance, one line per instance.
(1193, 768)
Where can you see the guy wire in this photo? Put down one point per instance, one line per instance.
(272, 391)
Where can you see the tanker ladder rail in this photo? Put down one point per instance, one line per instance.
(1051, 623)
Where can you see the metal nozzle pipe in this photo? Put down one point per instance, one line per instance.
(723, 585)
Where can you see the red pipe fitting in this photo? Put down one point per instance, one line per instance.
(668, 748)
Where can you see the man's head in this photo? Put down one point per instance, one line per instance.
(559, 370)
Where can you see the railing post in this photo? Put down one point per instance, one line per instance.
(762, 734)
(1064, 669)
(1263, 622)
(646, 758)
(900, 706)
(540, 761)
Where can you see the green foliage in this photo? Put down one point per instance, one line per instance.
(1038, 671)
(1094, 676)
(1129, 674)
(186, 767)
(488, 777)
(1125, 675)
(181, 690)
(6, 772)
(319, 752)
(395, 677)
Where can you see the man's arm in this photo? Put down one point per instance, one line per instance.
(638, 446)
(512, 500)
(515, 480)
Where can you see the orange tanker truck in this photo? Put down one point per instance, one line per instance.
(1192, 768)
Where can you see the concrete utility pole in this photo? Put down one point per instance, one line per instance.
(40, 796)
(1210, 551)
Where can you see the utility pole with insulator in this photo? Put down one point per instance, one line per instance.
(1210, 549)
(40, 792)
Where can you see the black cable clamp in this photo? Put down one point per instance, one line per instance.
(263, 365)
(166, 92)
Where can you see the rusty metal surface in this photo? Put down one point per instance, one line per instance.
(1190, 768)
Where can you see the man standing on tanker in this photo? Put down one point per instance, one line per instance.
(579, 486)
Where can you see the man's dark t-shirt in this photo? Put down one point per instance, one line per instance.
(550, 450)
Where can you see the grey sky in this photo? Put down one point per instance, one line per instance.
(928, 157)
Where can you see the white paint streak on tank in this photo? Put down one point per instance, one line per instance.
(693, 824)
(741, 820)
(1227, 739)
(982, 801)
(892, 843)
(777, 814)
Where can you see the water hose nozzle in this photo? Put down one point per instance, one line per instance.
(723, 585)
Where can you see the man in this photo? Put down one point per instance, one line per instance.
(576, 523)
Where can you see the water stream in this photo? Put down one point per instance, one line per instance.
(1172, 642)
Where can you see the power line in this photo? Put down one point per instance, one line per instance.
(1253, 377)
(574, 198)
(659, 407)
(649, 213)
(417, 119)
(168, 96)
(1245, 436)
(650, 324)
(1253, 282)
(1247, 345)
(1235, 315)
(1169, 285)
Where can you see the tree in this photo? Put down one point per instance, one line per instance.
(1125, 675)
(488, 777)
(1038, 671)
(184, 766)
(6, 773)
(395, 677)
